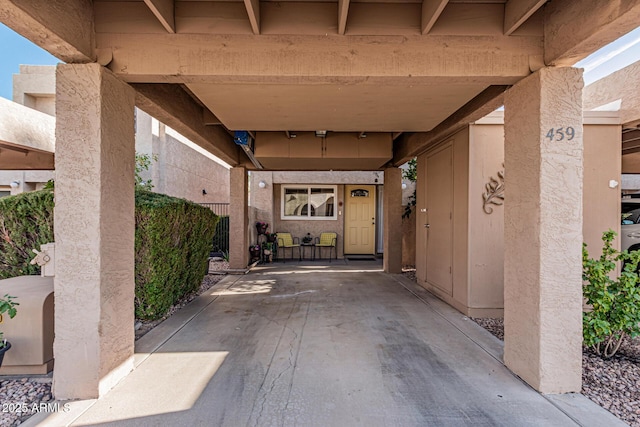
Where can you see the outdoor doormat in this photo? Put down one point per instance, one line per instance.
(360, 258)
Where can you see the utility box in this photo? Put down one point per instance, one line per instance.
(31, 331)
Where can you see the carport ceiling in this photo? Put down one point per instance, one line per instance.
(375, 66)
(372, 108)
(424, 68)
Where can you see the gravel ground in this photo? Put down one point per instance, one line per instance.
(21, 398)
(613, 384)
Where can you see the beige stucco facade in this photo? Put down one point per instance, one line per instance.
(266, 206)
(478, 236)
(178, 168)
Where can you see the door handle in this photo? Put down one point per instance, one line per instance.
(426, 226)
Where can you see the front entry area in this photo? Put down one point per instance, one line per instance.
(360, 219)
(330, 346)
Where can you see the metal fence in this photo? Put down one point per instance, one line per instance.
(221, 238)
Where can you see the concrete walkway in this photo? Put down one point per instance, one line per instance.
(323, 345)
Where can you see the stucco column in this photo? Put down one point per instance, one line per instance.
(392, 218)
(543, 229)
(238, 219)
(94, 231)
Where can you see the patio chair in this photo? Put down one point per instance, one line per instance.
(285, 241)
(327, 240)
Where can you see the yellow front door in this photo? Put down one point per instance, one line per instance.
(360, 219)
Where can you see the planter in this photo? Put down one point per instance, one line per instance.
(3, 351)
(255, 253)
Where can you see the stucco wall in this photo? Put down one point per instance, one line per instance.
(602, 163)
(28, 180)
(299, 228)
(486, 231)
(478, 285)
(35, 86)
(179, 170)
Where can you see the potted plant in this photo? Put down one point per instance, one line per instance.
(261, 227)
(267, 251)
(254, 250)
(7, 305)
(307, 239)
(271, 237)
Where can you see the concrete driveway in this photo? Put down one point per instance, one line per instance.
(323, 345)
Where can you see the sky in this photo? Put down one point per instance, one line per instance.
(16, 50)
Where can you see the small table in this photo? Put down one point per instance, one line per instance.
(312, 247)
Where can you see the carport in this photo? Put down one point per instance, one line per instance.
(408, 74)
(324, 345)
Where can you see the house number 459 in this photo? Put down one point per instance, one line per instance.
(560, 134)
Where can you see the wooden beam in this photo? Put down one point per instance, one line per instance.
(516, 12)
(411, 144)
(165, 12)
(630, 139)
(618, 87)
(210, 119)
(174, 107)
(431, 11)
(343, 11)
(178, 58)
(253, 10)
(573, 29)
(62, 28)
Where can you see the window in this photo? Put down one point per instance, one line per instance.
(308, 202)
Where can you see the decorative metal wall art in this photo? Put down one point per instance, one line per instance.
(494, 192)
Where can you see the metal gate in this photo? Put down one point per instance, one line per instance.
(221, 238)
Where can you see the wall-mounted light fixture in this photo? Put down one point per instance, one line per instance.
(15, 184)
(204, 192)
(321, 133)
(404, 185)
(262, 184)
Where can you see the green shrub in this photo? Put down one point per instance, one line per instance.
(173, 240)
(26, 222)
(615, 303)
(172, 243)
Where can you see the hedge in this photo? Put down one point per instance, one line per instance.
(26, 222)
(172, 243)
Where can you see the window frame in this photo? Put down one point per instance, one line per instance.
(307, 217)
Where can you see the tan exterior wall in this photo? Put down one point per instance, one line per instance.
(478, 286)
(631, 163)
(35, 86)
(486, 231)
(602, 163)
(299, 228)
(265, 203)
(185, 173)
(180, 171)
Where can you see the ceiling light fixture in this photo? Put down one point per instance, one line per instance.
(321, 133)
